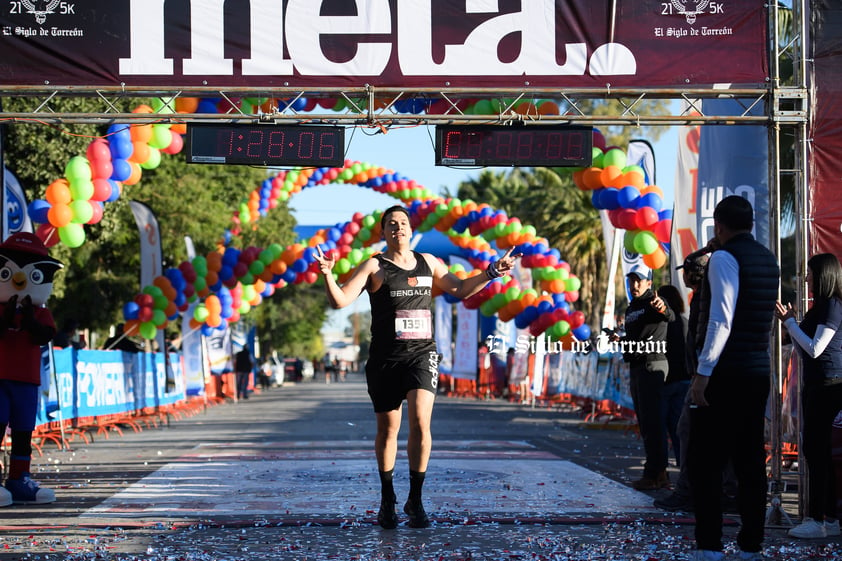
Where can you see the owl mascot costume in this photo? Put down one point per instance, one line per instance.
(26, 280)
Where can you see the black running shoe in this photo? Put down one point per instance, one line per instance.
(386, 517)
(417, 516)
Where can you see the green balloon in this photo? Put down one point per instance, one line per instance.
(597, 157)
(81, 189)
(154, 159)
(148, 330)
(161, 136)
(82, 211)
(342, 266)
(201, 313)
(645, 242)
(77, 168)
(614, 157)
(369, 222)
(72, 235)
(200, 265)
(628, 240)
(572, 284)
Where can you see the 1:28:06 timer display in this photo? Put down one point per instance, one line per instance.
(495, 145)
(266, 145)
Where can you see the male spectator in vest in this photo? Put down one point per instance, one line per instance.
(644, 349)
(731, 385)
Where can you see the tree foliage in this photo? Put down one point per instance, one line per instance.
(188, 200)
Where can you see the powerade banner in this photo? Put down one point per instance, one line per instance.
(397, 43)
(825, 164)
(92, 383)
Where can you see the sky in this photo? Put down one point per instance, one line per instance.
(410, 152)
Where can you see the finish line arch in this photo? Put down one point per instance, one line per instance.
(227, 284)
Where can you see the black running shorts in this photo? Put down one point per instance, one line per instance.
(390, 380)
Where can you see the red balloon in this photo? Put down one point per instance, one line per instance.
(176, 144)
(663, 230)
(577, 318)
(48, 234)
(626, 219)
(646, 218)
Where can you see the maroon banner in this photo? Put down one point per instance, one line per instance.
(825, 165)
(313, 44)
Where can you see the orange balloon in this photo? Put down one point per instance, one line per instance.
(60, 215)
(58, 192)
(137, 172)
(634, 179)
(141, 133)
(656, 259)
(592, 178)
(179, 128)
(141, 152)
(548, 108)
(610, 175)
(186, 104)
(652, 189)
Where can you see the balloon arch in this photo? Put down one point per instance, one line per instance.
(222, 285)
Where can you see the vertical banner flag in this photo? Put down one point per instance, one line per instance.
(220, 351)
(733, 161)
(683, 239)
(613, 237)
(465, 351)
(191, 352)
(16, 218)
(824, 220)
(640, 153)
(444, 333)
(151, 260)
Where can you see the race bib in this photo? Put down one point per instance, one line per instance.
(413, 324)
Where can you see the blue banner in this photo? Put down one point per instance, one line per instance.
(91, 383)
(733, 160)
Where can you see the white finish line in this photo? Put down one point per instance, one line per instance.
(465, 480)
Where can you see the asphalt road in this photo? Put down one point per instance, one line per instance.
(290, 474)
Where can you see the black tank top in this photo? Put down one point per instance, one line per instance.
(401, 317)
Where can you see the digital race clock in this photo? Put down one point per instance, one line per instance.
(266, 145)
(495, 145)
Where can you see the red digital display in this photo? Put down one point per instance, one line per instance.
(266, 145)
(495, 145)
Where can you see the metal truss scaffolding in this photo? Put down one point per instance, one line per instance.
(785, 113)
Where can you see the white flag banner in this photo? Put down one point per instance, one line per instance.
(683, 239)
(151, 260)
(150, 243)
(466, 348)
(444, 333)
(17, 217)
(191, 351)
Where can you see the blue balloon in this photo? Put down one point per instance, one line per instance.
(231, 256)
(121, 171)
(130, 310)
(544, 307)
(627, 197)
(289, 275)
(596, 199)
(121, 148)
(583, 332)
(38, 210)
(207, 330)
(299, 265)
(225, 272)
(115, 190)
(609, 198)
(651, 200)
(665, 214)
(207, 105)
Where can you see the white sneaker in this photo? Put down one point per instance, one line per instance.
(6, 497)
(809, 529)
(832, 528)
